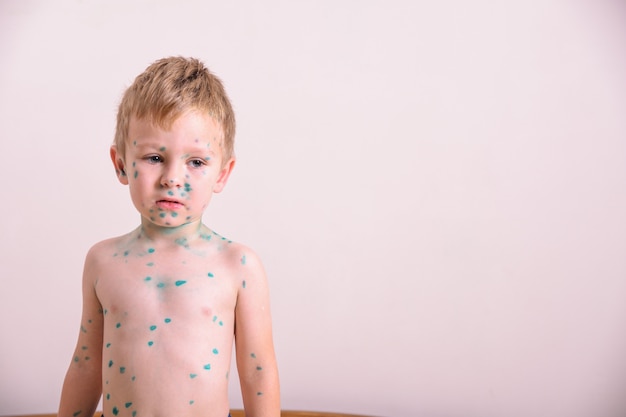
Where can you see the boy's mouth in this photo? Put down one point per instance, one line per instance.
(169, 204)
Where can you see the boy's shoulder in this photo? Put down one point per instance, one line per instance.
(210, 243)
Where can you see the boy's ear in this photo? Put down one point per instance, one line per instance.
(222, 178)
(118, 163)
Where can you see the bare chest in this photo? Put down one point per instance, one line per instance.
(134, 291)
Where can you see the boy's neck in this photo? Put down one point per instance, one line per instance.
(166, 234)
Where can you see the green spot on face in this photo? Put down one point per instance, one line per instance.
(147, 278)
(258, 368)
(161, 284)
(252, 355)
(115, 411)
(77, 413)
(210, 274)
(134, 413)
(108, 396)
(136, 174)
(161, 215)
(150, 343)
(118, 325)
(84, 347)
(110, 363)
(150, 250)
(192, 376)
(82, 329)
(150, 264)
(187, 187)
(76, 359)
(174, 214)
(167, 320)
(243, 284)
(243, 260)
(162, 148)
(207, 366)
(179, 283)
(153, 327)
(215, 351)
(170, 193)
(190, 402)
(127, 405)
(108, 345)
(126, 252)
(259, 393)
(122, 369)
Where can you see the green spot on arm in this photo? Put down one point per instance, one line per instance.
(179, 283)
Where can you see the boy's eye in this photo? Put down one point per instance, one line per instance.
(154, 159)
(197, 163)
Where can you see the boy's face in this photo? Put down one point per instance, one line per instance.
(172, 174)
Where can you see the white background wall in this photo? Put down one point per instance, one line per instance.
(437, 189)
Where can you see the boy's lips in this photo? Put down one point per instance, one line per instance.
(169, 204)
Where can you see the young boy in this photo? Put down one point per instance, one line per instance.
(163, 304)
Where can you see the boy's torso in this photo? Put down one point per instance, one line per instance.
(168, 325)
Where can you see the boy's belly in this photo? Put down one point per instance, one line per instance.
(163, 368)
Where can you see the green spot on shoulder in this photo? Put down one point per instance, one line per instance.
(210, 274)
(179, 283)
(167, 320)
(192, 376)
(115, 411)
(128, 404)
(252, 355)
(215, 351)
(207, 366)
(150, 343)
(153, 327)
(77, 413)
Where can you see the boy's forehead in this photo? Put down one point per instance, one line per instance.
(202, 127)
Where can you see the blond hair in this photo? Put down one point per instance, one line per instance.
(168, 88)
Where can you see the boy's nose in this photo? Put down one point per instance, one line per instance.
(172, 176)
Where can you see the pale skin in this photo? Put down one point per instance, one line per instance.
(163, 304)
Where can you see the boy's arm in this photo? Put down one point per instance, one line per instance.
(83, 382)
(256, 360)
